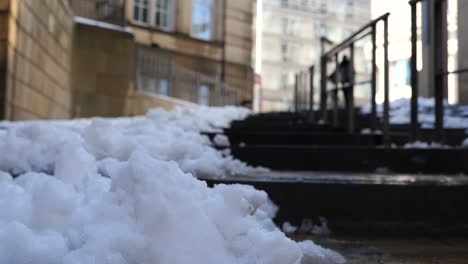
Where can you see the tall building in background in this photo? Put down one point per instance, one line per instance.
(290, 41)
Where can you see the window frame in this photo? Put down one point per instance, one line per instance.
(211, 7)
(141, 6)
(152, 9)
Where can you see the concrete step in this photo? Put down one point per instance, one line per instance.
(355, 158)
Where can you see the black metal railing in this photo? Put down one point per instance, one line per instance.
(439, 65)
(332, 56)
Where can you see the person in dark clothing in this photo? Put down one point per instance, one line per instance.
(345, 72)
(346, 79)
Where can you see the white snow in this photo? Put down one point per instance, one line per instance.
(100, 24)
(424, 145)
(308, 226)
(465, 143)
(122, 191)
(316, 254)
(221, 140)
(400, 113)
(288, 228)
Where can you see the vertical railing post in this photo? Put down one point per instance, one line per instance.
(296, 92)
(414, 74)
(440, 64)
(323, 88)
(335, 92)
(311, 94)
(386, 115)
(351, 90)
(374, 79)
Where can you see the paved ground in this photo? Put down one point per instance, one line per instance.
(397, 249)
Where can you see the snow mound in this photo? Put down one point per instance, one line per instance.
(175, 135)
(455, 116)
(120, 191)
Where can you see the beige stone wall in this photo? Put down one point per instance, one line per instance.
(239, 45)
(4, 5)
(102, 71)
(38, 60)
(103, 75)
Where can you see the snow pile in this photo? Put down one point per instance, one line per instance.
(455, 116)
(465, 143)
(35, 146)
(117, 191)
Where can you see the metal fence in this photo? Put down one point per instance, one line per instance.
(439, 67)
(157, 73)
(110, 11)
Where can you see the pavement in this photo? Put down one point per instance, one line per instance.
(393, 250)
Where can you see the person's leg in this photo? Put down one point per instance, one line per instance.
(346, 97)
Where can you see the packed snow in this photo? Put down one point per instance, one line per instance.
(455, 116)
(123, 191)
(425, 145)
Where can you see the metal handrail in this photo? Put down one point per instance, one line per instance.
(368, 29)
(351, 39)
(439, 53)
(457, 71)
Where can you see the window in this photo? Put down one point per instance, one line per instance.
(104, 8)
(203, 94)
(321, 29)
(284, 80)
(140, 10)
(161, 16)
(288, 25)
(158, 13)
(402, 73)
(286, 52)
(163, 87)
(202, 19)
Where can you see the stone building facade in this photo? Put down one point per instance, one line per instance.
(210, 37)
(35, 61)
(291, 32)
(80, 58)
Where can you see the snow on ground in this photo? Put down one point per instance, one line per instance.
(425, 145)
(122, 191)
(455, 116)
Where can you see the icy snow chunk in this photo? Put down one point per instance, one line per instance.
(288, 228)
(221, 140)
(465, 143)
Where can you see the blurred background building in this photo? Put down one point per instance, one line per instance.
(197, 50)
(80, 58)
(290, 42)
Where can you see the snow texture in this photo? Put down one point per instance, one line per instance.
(425, 145)
(455, 116)
(288, 228)
(100, 24)
(465, 143)
(121, 191)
